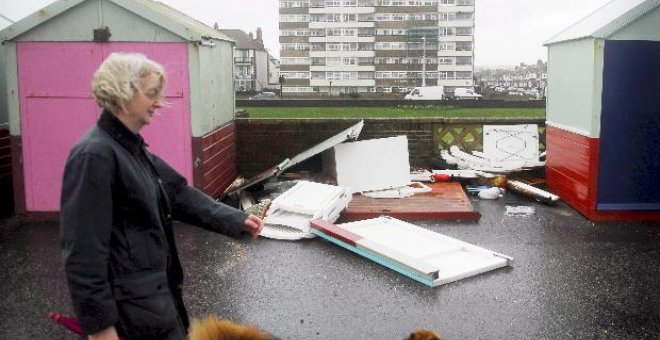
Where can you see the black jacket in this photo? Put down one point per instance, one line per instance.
(117, 206)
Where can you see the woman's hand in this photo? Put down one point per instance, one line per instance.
(106, 334)
(253, 224)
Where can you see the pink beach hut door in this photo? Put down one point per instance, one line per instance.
(57, 108)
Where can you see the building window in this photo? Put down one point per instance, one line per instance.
(463, 75)
(294, 61)
(295, 75)
(463, 31)
(294, 18)
(463, 61)
(295, 47)
(297, 89)
(294, 4)
(463, 46)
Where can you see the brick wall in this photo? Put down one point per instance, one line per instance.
(215, 160)
(264, 143)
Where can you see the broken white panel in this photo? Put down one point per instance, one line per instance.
(504, 143)
(423, 255)
(289, 214)
(286, 225)
(352, 133)
(374, 164)
(465, 173)
(402, 192)
(422, 176)
(311, 198)
(283, 232)
(465, 160)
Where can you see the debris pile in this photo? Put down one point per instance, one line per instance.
(370, 185)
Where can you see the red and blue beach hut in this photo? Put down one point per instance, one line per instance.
(603, 112)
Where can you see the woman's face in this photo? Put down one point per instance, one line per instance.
(146, 100)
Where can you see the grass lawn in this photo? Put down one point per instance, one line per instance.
(392, 112)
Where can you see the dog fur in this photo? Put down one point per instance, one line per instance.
(215, 328)
(423, 334)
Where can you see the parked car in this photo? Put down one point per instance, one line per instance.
(426, 93)
(263, 95)
(464, 93)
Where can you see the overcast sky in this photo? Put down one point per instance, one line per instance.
(508, 32)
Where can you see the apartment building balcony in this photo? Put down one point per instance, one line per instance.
(344, 68)
(292, 39)
(243, 60)
(391, 38)
(348, 24)
(406, 9)
(244, 77)
(456, 23)
(360, 54)
(327, 39)
(454, 53)
(456, 82)
(296, 82)
(451, 9)
(405, 67)
(360, 3)
(459, 68)
(395, 82)
(406, 24)
(294, 10)
(293, 53)
(405, 53)
(287, 68)
(340, 10)
(340, 82)
(293, 25)
(452, 38)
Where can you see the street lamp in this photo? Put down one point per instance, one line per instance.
(281, 85)
(330, 92)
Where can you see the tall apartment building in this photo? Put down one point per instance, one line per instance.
(349, 46)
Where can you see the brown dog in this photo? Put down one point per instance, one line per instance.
(215, 328)
(423, 334)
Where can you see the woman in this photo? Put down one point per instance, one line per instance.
(118, 203)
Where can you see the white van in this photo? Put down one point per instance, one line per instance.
(426, 93)
(464, 93)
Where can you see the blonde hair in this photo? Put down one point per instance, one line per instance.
(118, 78)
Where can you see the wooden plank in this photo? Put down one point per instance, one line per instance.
(336, 232)
(445, 201)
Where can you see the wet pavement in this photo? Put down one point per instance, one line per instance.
(571, 279)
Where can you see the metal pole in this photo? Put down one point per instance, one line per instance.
(423, 61)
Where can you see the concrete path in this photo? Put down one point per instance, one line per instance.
(571, 279)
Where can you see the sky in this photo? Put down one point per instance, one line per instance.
(507, 32)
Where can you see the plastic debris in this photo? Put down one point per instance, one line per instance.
(490, 193)
(519, 211)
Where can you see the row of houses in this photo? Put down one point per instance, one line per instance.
(521, 76)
